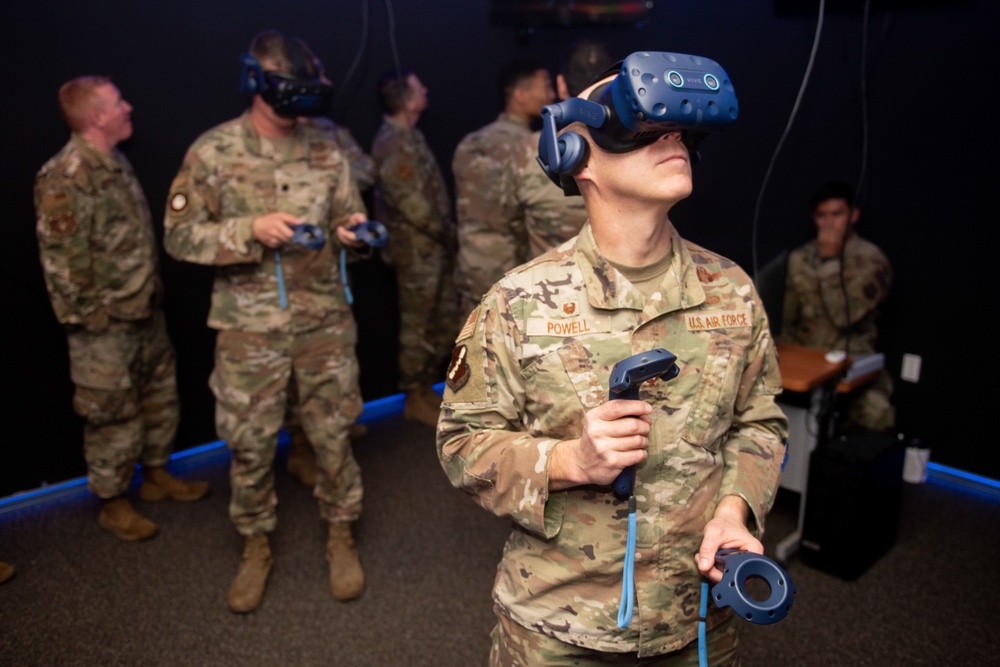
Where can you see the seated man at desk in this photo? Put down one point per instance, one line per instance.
(835, 285)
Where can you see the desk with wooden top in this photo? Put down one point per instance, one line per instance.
(806, 371)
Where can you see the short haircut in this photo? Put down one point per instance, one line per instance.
(290, 54)
(516, 73)
(585, 63)
(832, 190)
(76, 99)
(394, 90)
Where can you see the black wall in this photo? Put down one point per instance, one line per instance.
(929, 167)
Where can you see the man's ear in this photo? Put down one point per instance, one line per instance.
(855, 214)
(562, 90)
(584, 173)
(95, 117)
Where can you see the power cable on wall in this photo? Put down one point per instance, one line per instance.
(784, 135)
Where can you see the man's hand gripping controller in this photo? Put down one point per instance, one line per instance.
(371, 233)
(626, 376)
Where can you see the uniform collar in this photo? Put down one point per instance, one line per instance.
(298, 139)
(608, 289)
(95, 157)
(505, 117)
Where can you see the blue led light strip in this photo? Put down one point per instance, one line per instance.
(375, 409)
(968, 480)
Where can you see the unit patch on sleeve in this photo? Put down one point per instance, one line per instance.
(458, 369)
(58, 213)
(178, 202)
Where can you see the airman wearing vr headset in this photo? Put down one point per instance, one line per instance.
(279, 305)
(526, 427)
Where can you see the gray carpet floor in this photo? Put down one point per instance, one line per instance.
(80, 597)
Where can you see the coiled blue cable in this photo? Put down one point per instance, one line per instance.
(282, 297)
(628, 573)
(343, 276)
(702, 613)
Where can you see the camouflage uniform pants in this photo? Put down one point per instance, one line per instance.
(126, 391)
(516, 646)
(251, 380)
(428, 308)
(871, 407)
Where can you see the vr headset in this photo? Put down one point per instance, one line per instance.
(288, 95)
(653, 94)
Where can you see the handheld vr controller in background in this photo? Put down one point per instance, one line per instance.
(654, 93)
(371, 233)
(308, 236)
(288, 95)
(626, 376)
(311, 236)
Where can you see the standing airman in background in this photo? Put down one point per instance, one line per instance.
(239, 202)
(100, 261)
(491, 234)
(411, 199)
(547, 215)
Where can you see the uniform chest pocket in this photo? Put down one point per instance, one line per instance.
(711, 409)
(561, 386)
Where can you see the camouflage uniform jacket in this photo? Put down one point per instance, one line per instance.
(228, 178)
(491, 235)
(96, 238)
(550, 218)
(534, 357)
(815, 314)
(362, 164)
(410, 190)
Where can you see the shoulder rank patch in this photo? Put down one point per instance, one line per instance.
(458, 369)
(718, 319)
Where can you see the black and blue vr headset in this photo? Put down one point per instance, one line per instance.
(288, 95)
(653, 94)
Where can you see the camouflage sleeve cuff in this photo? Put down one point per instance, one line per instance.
(237, 244)
(752, 471)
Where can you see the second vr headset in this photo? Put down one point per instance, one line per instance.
(654, 93)
(288, 95)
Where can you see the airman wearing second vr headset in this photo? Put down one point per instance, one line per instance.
(280, 308)
(527, 429)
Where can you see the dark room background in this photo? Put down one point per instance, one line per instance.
(900, 91)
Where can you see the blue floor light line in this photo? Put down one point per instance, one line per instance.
(374, 409)
(967, 480)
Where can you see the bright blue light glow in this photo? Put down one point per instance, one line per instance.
(380, 407)
(967, 476)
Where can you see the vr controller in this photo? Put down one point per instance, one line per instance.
(626, 376)
(289, 96)
(740, 566)
(654, 93)
(371, 232)
(309, 236)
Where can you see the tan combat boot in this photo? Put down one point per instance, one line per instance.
(247, 588)
(347, 579)
(118, 516)
(422, 408)
(6, 571)
(158, 484)
(302, 459)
